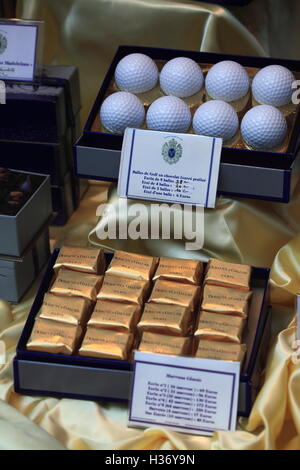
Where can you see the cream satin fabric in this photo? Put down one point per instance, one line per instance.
(86, 33)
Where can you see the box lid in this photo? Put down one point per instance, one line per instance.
(7, 260)
(42, 110)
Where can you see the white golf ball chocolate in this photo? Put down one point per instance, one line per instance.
(216, 119)
(273, 85)
(169, 114)
(121, 110)
(264, 127)
(136, 73)
(227, 81)
(181, 77)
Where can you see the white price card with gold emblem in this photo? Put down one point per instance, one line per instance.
(21, 44)
(170, 167)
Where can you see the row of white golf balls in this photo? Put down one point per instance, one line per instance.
(226, 80)
(262, 127)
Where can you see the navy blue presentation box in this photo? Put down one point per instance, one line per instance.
(45, 374)
(41, 111)
(243, 173)
(54, 159)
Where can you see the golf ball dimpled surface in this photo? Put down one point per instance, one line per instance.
(273, 85)
(136, 73)
(121, 110)
(216, 119)
(263, 127)
(169, 114)
(227, 81)
(181, 77)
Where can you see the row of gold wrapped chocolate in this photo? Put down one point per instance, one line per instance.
(182, 321)
(224, 310)
(147, 268)
(62, 338)
(226, 293)
(110, 344)
(191, 346)
(131, 265)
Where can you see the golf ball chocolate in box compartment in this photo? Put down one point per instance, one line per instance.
(206, 100)
(95, 378)
(214, 97)
(25, 206)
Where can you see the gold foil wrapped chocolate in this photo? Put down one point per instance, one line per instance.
(121, 289)
(54, 337)
(88, 260)
(106, 344)
(221, 351)
(163, 344)
(73, 310)
(234, 275)
(167, 319)
(216, 327)
(180, 270)
(73, 283)
(115, 316)
(225, 300)
(132, 266)
(166, 292)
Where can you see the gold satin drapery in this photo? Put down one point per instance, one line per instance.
(86, 33)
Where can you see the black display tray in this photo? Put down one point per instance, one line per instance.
(37, 373)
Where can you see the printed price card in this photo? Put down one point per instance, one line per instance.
(191, 395)
(19, 49)
(169, 167)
